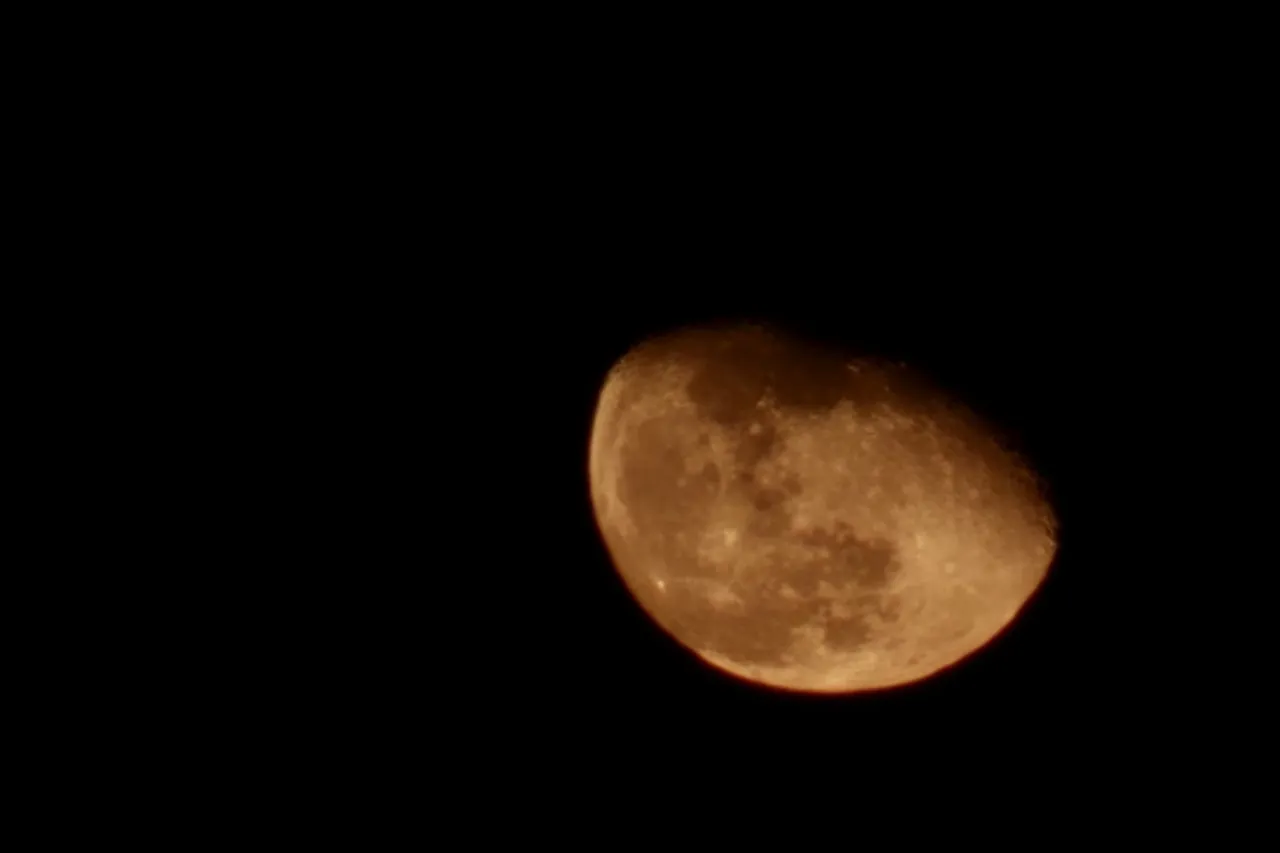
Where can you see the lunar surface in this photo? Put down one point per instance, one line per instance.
(808, 521)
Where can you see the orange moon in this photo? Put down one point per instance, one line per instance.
(806, 520)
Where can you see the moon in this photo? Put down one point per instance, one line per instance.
(806, 520)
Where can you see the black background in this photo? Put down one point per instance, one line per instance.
(348, 315)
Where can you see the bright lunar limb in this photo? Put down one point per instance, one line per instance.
(806, 521)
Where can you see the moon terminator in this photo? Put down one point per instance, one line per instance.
(809, 521)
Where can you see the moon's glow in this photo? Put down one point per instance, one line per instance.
(806, 521)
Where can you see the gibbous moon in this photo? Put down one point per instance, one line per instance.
(808, 521)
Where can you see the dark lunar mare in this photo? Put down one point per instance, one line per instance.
(735, 370)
